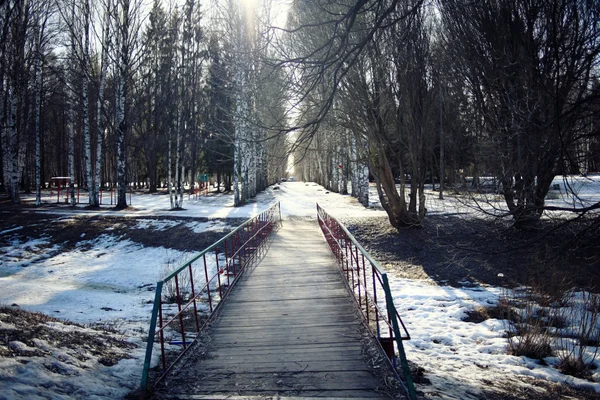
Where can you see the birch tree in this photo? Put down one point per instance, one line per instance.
(41, 20)
(100, 120)
(241, 48)
(71, 95)
(85, 71)
(16, 22)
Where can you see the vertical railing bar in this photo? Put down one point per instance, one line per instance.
(365, 287)
(226, 256)
(352, 267)
(239, 253)
(375, 301)
(254, 239)
(358, 279)
(234, 253)
(231, 261)
(194, 298)
(347, 267)
(218, 272)
(152, 334)
(179, 313)
(207, 284)
(162, 338)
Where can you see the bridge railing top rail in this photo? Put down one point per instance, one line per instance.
(368, 283)
(186, 299)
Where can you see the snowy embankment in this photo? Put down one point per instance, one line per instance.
(110, 281)
(464, 360)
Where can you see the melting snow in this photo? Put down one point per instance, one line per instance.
(112, 283)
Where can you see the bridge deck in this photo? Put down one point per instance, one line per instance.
(289, 330)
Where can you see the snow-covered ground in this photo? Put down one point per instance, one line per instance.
(109, 281)
(464, 359)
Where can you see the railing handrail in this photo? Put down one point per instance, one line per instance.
(212, 246)
(268, 216)
(346, 258)
(376, 267)
(373, 262)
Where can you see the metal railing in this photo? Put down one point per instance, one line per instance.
(371, 290)
(187, 299)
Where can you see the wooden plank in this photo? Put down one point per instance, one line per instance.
(248, 360)
(315, 394)
(290, 307)
(275, 365)
(333, 380)
(306, 280)
(307, 338)
(288, 320)
(315, 327)
(310, 280)
(289, 295)
(293, 350)
(279, 320)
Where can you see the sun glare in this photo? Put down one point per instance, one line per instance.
(275, 11)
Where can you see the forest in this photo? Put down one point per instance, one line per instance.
(402, 93)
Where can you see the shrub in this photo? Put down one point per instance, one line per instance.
(169, 290)
(527, 324)
(577, 342)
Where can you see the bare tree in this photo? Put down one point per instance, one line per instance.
(529, 68)
(15, 18)
(100, 125)
(379, 52)
(42, 14)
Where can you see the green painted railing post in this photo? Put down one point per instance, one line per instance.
(403, 361)
(151, 333)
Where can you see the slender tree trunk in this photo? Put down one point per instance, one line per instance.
(236, 173)
(121, 129)
(178, 177)
(71, 156)
(363, 184)
(169, 170)
(354, 167)
(15, 60)
(123, 70)
(442, 160)
(91, 185)
(99, 107)
(12, 147)
(393, 203)
(71, 116)
(38, 103)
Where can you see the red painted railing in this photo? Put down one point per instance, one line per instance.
(187, 299)
(370, 287)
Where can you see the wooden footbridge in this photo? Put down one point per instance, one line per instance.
(294, 324)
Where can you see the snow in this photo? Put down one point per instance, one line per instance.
(298, 199)
(110, 281)
(63, 375)
(462, 359)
